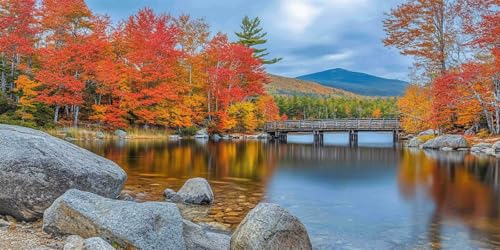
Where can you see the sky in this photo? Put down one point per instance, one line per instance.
(310, 35)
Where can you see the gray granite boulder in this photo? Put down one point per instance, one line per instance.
(446, 141)
(269, 226)
(414, 142)
(96, 243)
(73, 242)
(481, 147)
(36, 168)
(148, 225)
(428, 132)
(197, 237)
(496, 146)
(120, 133)
(196, 191)
(171, 195)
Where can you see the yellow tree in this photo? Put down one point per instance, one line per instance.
(26, 90)
(416, 108)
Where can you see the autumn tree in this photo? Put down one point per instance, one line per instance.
(26, 92)
(423, 29)
(234, 75)
(147, 46)
(415, 107)
(252, 35)
(18, 30)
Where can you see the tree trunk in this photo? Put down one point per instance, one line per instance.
(75, 118)
(56, 114)
(4, 79)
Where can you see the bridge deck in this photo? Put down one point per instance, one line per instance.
(333, 125)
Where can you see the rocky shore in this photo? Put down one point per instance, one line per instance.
(58, 196)
(428, 140)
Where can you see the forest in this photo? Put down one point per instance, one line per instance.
(63, 65)
(455, 45)
(317, 107)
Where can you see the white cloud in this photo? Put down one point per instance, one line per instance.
(338, 57)
(297, 15)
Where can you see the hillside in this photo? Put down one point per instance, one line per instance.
(358, 83)
(285, 86)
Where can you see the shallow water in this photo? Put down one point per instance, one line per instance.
(375, 196)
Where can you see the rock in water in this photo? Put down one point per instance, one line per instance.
(196, 191)
(414, 142)
(96, 243)
(496, 146)
(268, 226)
(36, 168)
(149, 225)
(446, 141)
(172, 196)
(197, 238)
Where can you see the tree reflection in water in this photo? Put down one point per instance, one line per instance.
(464, 189)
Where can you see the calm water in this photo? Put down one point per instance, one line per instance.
(376, 196)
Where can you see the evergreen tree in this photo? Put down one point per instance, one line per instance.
(252, 35)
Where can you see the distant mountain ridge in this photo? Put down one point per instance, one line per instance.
(358, 83)
(285, 86)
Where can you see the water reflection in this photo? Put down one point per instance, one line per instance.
(369, 197)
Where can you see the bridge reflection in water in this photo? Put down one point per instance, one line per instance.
(280, 130)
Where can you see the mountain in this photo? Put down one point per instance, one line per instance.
(358, 83)
(280, 85)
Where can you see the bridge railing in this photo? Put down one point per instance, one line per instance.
(337, 124)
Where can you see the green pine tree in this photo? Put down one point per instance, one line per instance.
(252, 36)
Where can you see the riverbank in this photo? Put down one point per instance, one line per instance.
(27, 236)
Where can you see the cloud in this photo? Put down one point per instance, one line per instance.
(297, 15)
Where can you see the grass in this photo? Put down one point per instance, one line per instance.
(93, 134)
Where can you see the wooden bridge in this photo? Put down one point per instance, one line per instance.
(280, 130)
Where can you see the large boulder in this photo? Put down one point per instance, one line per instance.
(36, 168)
(414, 142)
(197, 237)
(481, 147)
(268, 226)
(196, 191)
(428, 132)
(496, 146)
(449, 141)
(149, 225)
(120, 133)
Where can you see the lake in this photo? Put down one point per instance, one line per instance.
(374, 196)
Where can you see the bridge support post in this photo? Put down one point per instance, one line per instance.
(318, 137)
(395, 136)
(282, 137)
(353, 137)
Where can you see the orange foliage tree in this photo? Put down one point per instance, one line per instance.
(415, 107)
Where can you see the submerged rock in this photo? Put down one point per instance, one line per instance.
(446, 141)
(36, 168)
(149, 225)
(197, 238)
(268, 226)
(196, 191)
